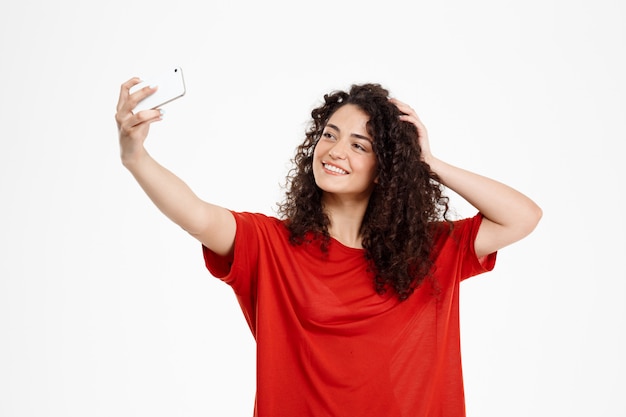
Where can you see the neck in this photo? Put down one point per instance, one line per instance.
(346, 219)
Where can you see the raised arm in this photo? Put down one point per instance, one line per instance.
(508, 214)
(212, 225)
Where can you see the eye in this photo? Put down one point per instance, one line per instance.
(359, 147)
(328, 135)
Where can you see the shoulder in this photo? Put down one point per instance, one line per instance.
(456, 228)
(454, 244)
(259, 224)
(455, 235)
(257, 218)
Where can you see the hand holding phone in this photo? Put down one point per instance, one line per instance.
(170, 86)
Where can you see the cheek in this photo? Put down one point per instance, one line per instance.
(316, 150)
(376, 174)
(314, 160)
(373, 168)
(319, 149)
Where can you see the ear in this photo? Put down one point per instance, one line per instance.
(377, 177)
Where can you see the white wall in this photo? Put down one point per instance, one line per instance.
(105, 306)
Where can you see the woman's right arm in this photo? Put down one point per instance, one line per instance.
(212, 225)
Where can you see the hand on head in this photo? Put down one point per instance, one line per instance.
(409, 115)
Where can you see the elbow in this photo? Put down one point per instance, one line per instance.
(532, 218)
(537, 214)
(525, 221)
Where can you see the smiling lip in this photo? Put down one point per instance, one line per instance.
(334, 169)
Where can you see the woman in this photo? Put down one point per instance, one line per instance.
(352, 295)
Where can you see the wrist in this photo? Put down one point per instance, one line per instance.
(430, 160)
(132, 158)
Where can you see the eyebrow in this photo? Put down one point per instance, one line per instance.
(356, 135)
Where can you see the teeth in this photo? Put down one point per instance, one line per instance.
(335, 169)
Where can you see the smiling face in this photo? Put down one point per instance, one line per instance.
(344, 162)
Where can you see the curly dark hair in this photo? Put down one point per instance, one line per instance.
(407, 198)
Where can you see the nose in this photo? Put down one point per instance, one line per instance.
(337, 152)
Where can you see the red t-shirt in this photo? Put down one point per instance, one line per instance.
(329, 345)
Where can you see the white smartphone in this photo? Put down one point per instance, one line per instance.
(171, 86)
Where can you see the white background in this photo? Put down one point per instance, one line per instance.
(106, 307)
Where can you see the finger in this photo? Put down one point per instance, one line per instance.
(125, 91)
(127, 100)
(129, 121)
(407, 110)
(414, 118)
(136, 127)
(403, 107)
(139, 95)
(397, 102)
(411, 119)
(145, 116)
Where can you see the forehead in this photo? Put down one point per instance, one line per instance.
(350, 115)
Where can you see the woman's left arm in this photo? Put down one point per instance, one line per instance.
(508, 214)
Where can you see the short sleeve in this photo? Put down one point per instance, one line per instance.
(474, 264)
(454, 248)
(237, 269)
